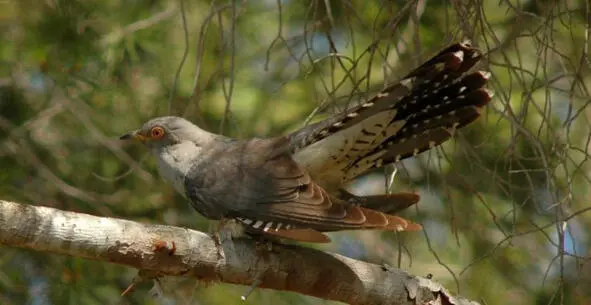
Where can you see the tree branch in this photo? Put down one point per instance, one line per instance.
(286, 267)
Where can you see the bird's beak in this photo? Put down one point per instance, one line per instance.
(135, 135)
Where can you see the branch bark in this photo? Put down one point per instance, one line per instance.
(286, 267)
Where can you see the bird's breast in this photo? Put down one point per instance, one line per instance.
(174, 161)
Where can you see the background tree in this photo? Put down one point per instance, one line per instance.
(504, 205)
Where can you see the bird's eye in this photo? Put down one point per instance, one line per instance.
(156, 133)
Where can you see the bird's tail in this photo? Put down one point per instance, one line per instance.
(388, 203)
(377, 213)
(374, 220)
(413, 115)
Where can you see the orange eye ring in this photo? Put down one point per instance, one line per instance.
(157, 132)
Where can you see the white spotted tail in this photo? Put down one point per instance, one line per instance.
(413, 115)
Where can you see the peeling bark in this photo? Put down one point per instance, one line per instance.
(173, 251)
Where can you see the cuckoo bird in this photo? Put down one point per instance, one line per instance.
(292, 186)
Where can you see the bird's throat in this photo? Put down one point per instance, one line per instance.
(173, 162)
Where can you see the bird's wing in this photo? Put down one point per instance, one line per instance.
(278, 197)
(411, 116)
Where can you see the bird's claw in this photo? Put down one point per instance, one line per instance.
(218, 245)
(264, 245)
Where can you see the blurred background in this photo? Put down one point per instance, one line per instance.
(504, 204)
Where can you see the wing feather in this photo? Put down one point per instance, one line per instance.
(287, 197)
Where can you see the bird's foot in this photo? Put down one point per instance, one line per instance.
(218, 237)
(263, 244)
(218, 245)
(225, 232)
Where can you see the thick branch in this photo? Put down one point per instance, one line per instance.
(299, 269)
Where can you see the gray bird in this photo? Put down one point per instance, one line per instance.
(293, 186)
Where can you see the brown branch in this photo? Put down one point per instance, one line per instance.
(286, 267)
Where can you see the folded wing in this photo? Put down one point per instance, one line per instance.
(285, 202)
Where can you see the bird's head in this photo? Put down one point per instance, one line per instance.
(165, 131)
